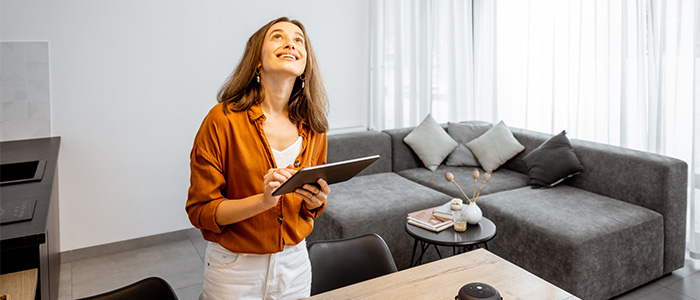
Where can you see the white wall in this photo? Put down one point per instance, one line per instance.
(131, 81)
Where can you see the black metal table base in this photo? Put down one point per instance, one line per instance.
(424, 246)
(475, 235)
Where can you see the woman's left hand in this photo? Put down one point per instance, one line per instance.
(312, 195)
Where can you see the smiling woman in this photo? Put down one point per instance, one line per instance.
(244, 86)
(270, 122)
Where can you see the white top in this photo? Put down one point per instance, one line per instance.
(287, 156)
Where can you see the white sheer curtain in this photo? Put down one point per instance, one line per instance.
(694, 203)
(616, 72)
(613, 71)
(421, 61)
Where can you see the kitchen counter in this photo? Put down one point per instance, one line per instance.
(33, 244)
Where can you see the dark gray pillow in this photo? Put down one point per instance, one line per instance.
(552, 162)
(462, 133)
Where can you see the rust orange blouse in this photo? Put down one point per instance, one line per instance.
(229, 157)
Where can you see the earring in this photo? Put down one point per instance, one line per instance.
(302, 77)
(257, 74)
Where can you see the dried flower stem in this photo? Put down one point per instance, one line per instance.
(487, 176)
(460, 189)
(477, 195)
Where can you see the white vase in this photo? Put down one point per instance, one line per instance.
(474, 214)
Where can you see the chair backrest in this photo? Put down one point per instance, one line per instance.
(338, 263)
(152, 288)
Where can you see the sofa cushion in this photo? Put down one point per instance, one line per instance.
(358, 144)
(585, 243)
(501, 180)
(464, 133)
(495, 147)
(377, 203)
(430, 142)
(552, 162)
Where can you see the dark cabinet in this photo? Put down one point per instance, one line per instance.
(29, 244)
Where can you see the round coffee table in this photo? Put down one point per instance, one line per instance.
(467, 240)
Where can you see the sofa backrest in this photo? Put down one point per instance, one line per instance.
(405, 158)
(351, 145)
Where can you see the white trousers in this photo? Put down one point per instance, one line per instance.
(282, 275)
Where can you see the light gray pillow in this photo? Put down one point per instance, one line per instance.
(495, 147)
(430, 142)
(463, 133)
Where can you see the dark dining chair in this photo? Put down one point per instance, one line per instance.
(151, 288)
(337, 263)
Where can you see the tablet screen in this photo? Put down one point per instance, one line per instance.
(331, 173)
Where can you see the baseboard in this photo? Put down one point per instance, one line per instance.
(127, 245)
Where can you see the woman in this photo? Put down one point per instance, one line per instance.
(270, 122)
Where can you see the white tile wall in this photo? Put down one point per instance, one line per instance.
(25, 104)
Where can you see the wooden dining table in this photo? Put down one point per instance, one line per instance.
(442, 279)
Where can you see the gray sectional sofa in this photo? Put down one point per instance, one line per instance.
(617, 225)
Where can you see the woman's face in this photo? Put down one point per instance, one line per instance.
(284, 50)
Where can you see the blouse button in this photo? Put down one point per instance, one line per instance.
(280, 219)
(297, 164)
(225, 256)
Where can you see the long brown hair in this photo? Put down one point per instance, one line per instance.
(242, 89)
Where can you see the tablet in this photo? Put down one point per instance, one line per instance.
(331, 173)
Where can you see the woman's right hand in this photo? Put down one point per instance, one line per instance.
(274, 179)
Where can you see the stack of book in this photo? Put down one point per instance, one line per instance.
(444, 211)
(427, 220)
